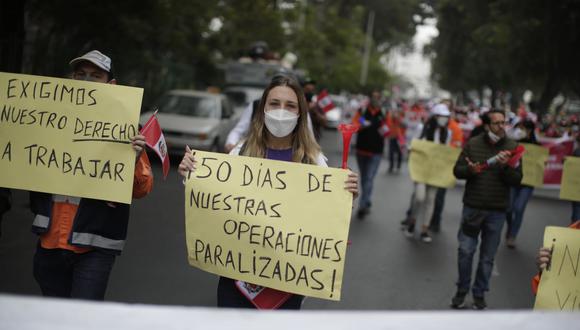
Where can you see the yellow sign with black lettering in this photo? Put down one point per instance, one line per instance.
(534, 163)
(432, 163)
(276, 224)
(68, 137)
(559, 287)
(570, 188)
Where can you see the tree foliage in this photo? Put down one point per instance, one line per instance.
(509, 45)
(163, 44)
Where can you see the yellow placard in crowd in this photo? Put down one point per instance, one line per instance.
(534, 163)
(570, 188)
(432, 163)
(68, 137)
(560, 283)
(277, 224)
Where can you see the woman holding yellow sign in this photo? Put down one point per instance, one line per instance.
(279, 132)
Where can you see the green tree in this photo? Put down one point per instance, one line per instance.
(330, 48)
(155, 44)
(508, 45)
(163, 44)
(245, 22)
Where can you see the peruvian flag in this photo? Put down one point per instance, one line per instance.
(262, 297)
(155, 140)
(324, 101)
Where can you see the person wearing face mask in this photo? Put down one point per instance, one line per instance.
(523, 132)
(485, 202)
(79, 238)
(422, 206)
(370, 143)
(279, 132)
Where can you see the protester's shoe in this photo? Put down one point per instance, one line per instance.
(426, 238)
(410, 231)
(510, 242)
(362, 213)
(479, 303)
(435, 228)
(458, 301)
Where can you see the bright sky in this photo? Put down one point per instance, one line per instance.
(414, 66)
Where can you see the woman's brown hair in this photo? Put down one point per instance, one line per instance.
(304, 147)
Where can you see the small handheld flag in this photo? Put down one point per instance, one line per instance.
(324, 101)
(155, 140)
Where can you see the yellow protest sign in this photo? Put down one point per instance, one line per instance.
(281, 225)
(68, 137)
(533, 164)
(559, 287)
(432, 163)
(570, 188)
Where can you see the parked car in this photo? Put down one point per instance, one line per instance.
(200, 120)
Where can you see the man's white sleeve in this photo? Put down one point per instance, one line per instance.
(241, 127)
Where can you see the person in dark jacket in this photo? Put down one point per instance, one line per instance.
(370, 144)
(484, 164)
(79, 238)
(422, 204)
(524, 132)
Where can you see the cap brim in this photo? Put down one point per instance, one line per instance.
(81, 59)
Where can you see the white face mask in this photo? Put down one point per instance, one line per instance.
(442, 121)
(493, 137)
(518, 134)
(280, 122)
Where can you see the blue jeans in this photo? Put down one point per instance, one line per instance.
(368, 166)
(490, 238)
(519, 199)
(575, 212)
(63, 273)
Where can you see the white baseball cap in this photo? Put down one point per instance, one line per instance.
(97, 58)
(441, 110)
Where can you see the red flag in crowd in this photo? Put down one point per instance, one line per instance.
(324, 101)
(155, 140)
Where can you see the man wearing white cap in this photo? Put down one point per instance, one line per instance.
(79, 238)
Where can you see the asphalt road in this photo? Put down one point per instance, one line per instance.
(384, 270)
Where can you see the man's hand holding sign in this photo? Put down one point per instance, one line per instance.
(559, 260)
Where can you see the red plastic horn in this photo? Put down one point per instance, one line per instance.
(347, 131)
